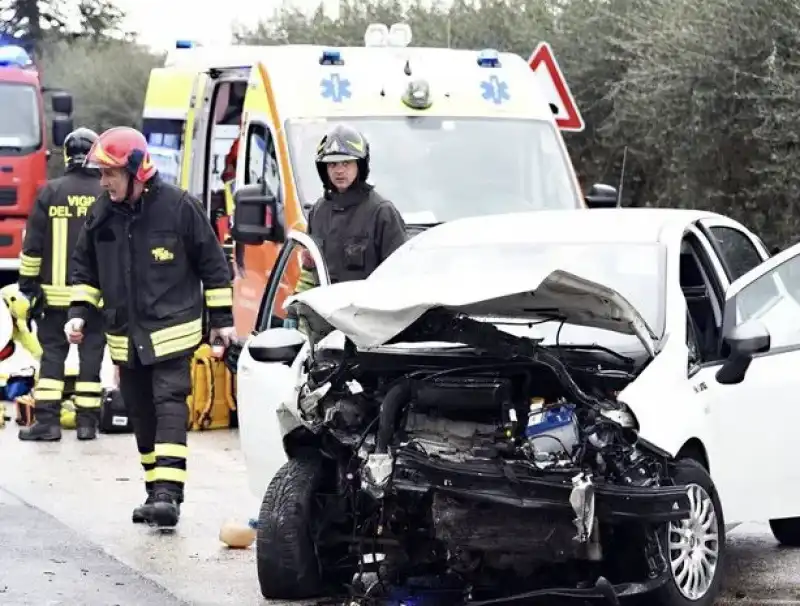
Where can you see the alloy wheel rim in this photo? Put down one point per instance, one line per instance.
(694, 545)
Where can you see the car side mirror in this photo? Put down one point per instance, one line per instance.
(279, 345)
(255, 216)
(61, 102)
(744, 341)
(62, 127)
(602, 196)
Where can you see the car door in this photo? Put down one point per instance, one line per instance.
(262, 386)
(753, 424)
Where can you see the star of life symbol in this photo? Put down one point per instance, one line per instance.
(495, 90)
(335, 88)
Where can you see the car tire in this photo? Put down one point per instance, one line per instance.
(786, 531)
(702, 495)
(286, 557)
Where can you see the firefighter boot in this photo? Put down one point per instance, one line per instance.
(46, 427)
(86, 423)
(166, 510)
(144, 512)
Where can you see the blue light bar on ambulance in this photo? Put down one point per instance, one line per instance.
(184, 44)
(331, 57)
(14, 56)
(489, 58)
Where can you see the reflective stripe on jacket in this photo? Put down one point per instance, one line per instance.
(51, 233)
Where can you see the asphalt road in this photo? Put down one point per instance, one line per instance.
(66, 536)
(46, 562)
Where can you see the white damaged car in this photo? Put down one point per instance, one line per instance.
(520, 406)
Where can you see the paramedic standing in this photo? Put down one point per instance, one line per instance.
(51, 234)
(146, 250)
(354, 226)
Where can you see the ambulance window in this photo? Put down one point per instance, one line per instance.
(231, 112)
(261, 159)
(164, 140)
(460, 167)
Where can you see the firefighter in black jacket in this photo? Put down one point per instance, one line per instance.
(355, 227)
(146, 250)
(61, 209)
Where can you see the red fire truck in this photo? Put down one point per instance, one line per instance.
(24, 150)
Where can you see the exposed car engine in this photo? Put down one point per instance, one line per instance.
(495, 462)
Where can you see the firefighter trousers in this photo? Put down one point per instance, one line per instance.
(49, 390)
(155, 397)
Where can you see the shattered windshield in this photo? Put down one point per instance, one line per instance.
(438, 169)
(20, 128)
(636, 271)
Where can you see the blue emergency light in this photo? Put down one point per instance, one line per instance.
(184, 44)
(14, 56)
(331, 57)
(489, 57)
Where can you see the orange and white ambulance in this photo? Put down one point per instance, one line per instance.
(485, 139)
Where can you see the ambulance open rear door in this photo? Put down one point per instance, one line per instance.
(214, 121)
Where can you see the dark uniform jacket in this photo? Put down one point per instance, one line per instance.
(147, 261)
(355, 231)
(62, 207)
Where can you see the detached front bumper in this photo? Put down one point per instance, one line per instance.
(517, 486)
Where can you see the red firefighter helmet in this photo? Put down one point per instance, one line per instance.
(122, 147)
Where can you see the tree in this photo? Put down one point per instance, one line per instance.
(705, 96)
(709, 101)
(100, 18)
(108, 80)
(31, 21)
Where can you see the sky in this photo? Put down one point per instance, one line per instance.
(160, 23)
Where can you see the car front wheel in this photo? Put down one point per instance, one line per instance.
(694, 547)
(286, 556)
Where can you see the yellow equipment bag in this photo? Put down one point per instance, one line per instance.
(211, 401)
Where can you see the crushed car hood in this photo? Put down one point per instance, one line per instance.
(372, 312)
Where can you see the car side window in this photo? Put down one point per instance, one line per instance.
(781, 313)
(692, 342)
(739, 255)
(789, 274)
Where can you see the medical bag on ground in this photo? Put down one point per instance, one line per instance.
(212, 404)
(17, 386)
(113, 413)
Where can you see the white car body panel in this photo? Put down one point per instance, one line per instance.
(267, 410)
(263, 390)
(745, 430)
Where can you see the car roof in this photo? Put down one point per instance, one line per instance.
(611, 225)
